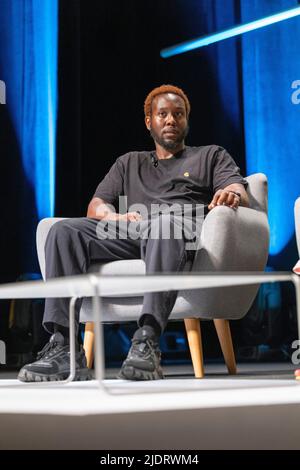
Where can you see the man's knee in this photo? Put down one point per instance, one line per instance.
(65, 229)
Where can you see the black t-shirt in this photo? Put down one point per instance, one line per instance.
(191, 176)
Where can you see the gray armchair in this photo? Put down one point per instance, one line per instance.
(230, 241)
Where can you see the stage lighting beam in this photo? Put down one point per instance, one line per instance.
(228, 33)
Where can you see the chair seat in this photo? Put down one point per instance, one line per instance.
(124, 267)
(128, 308)
(189, 303)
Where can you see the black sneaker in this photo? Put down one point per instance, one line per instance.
(143, 360)
(53, 363)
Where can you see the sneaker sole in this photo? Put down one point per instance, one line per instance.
(27, 376)
(132, 373)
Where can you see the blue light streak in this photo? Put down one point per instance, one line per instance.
(229, 33)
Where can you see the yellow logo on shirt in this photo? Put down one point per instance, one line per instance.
(186, 174)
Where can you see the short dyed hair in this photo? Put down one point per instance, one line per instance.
(160, 91)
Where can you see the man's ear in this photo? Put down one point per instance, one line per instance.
(148, 122)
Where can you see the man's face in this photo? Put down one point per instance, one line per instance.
(168, 123)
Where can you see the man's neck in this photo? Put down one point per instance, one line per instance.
(164, 154)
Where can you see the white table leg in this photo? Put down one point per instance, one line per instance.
(72, 332)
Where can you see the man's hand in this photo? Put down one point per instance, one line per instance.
(129, 216)
(101, 210)
(233, 195)
(225, 197)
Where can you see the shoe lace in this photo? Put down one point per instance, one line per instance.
(150, 346)
(48, 348)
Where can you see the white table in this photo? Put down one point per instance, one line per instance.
(97, 286)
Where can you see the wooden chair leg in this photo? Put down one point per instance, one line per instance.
(192, 326)
(224, 335)
(88, 344)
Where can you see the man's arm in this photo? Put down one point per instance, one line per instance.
(233, 195)
(101, 210)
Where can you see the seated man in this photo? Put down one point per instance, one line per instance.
(173, 174)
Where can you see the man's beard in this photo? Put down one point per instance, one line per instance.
(170, 144)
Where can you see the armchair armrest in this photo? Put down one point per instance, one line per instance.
(230, 241)
(233, 240)
(41, 236)
(258, 191)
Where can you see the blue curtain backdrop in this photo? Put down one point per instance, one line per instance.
(221, 15)
(271, 62)
(28, 65)
(219, 74)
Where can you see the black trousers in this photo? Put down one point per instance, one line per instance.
(73, 244)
